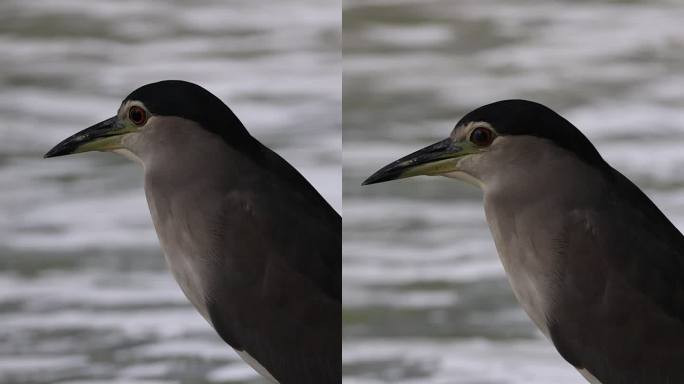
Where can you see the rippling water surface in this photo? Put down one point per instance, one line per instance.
(85, 296)
(426, 298)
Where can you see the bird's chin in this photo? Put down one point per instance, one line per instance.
(129, 155)
(465, 177)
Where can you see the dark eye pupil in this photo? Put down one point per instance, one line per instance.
(481, 136)
(136, 115)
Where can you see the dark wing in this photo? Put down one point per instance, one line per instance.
(621, 311)
(280, 283)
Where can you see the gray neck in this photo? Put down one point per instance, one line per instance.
(520, 210)
(186, 167)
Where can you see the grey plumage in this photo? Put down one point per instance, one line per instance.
(252, 244)
(265, 253)
(595, 264)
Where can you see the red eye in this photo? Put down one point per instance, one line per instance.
(481, 137)
(137, 115)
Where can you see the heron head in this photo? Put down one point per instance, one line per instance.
(491, 141)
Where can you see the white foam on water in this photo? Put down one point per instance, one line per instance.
(418, 37)
(91, 288)
(19, 364)
(461, 361)
(181, 347)
(232, 372)
(136, 304)
(415, 299)
(142, 371)
(176, 322)
(120, 381)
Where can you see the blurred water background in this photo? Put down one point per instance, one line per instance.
(426, 298)
(85, 296)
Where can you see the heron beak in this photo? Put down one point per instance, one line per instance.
(103, 136)
(436, 159)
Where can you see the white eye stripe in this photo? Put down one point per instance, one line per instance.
(465, 130)
(126, 107)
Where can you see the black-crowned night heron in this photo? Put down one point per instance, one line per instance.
(252, 244)
(594, 263)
